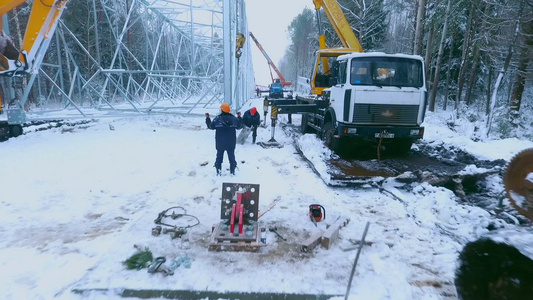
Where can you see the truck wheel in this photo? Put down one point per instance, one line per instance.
(327, 135)
(15, 130)
(304, 126)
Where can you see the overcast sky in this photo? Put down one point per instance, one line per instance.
(268, 21)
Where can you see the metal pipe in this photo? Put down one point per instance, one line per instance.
(355, 262)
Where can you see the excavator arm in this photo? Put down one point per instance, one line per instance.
(40, 28)
(7, 6)
(41, 25)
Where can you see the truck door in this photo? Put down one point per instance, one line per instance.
(340, 97)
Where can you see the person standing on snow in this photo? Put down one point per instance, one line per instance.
(252, 119)
(225, 125)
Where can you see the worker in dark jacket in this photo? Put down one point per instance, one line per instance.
(252, 119)
(225, 125)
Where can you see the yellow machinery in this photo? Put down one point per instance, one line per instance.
(239, 44)
(321, 73)
(39, 30)
(339, 23)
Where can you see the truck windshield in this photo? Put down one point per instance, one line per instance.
(386, 71)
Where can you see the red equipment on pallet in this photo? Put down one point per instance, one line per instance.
(239, 206)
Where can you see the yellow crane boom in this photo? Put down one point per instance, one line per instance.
(39, 29)
(41, 25)
(340, 24)
(322, 72)
(7, 6)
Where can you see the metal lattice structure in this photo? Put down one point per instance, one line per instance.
(138, 57)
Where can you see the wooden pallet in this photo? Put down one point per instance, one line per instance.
(221, 241)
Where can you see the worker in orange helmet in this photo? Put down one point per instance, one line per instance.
(252, 119)
(225, 125)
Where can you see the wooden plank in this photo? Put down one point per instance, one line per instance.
(236, 247)
(311, 242)
(332, 232)
(268, 208)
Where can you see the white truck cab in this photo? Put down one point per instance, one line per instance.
(378, 96)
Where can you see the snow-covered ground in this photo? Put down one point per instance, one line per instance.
(75, 200)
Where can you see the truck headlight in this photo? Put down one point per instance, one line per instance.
(415, 132)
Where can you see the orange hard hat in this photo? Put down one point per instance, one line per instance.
(225, 107)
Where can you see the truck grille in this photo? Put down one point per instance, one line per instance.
(385, 114)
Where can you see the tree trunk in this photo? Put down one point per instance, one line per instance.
(489, 82)
(19, 30)
(477, 52)
(473, 72)
(419, 30)
(464, 64)
(499, 79)
(448, 74)
(435, 86)
(429, 46)
(518, 89)
(520, 80)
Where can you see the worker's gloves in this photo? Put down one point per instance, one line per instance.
(207, 115)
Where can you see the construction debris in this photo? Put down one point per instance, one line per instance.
(158, 266)
(268, 208)
(327, 238)
(311, 242)
(275, 230)
(332, 232)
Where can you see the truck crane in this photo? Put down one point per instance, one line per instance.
(40, 28)
(276, 88)
(360, 98)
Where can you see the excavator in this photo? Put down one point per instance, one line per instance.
(40, 28)
(278, 84)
